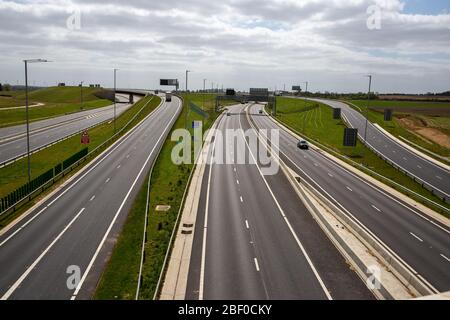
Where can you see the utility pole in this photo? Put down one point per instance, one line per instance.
(204, 92)
(306, 92)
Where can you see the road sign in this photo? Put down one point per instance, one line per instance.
(388, 115)
(259, 91)
(350, 137)
(230, 92)
(336, 113)
(168, 82)
(296, 88)
(85, 138)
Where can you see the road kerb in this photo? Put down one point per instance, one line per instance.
(74, 177)
(371, 180)
(412, 149)
(175, 281)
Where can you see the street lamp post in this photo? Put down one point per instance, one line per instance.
(367, 109)
(204, 91)
(115, 71)
(26, 108)
(306, 92)
(187, 72)
(81, 99)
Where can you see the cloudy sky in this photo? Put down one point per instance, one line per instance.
(332, 44)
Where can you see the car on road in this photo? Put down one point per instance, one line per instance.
(303, 144)
(228, 114)
(260, 112)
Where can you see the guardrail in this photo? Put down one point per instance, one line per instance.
(64, 171)
(12, 160)
(420, 181)
(367, 170)
(403, 272)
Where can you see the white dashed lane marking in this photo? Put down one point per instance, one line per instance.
(256, 264)
(416, 237)
(376, 208)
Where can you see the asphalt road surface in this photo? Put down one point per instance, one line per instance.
(259, 241)
(424, 244)
(435, 176)
(76, 227)
(13, 142)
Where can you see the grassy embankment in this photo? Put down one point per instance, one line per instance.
(318, 125)
(168, 182)
(15, 174)
(57, 101)
(434, 114)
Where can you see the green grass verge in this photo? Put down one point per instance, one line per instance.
(58, 101)
(315, 121)
(168, 182)
(412, 109)
(15, 175)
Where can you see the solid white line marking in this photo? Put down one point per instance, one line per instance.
(443, 256)
(246, 224)
(107, 180)
(18, 230)
(237, 181)
(376, 208)
(92, 198)
(118, 167)
(416, 237)
(169, 125)
(316, 164)
(33, 265)
(234, 169)
(439, 177)
(242, 200)
(291, 229)
(205, 227)
(256, 264)
(330, 175)
(348, 188)
(419, 167)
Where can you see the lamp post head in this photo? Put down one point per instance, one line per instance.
(35, 60)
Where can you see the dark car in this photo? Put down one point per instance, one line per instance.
(302, 144)
(260, 112)
(228, 114)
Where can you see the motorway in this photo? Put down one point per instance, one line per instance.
(76, 228)
(437, 177)
(254, 238)
(422, 243)
(13, 142)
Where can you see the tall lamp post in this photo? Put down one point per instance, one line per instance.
(306, 82)
(115, 72)
(81, 98)
(27, 114)
(367, 109)
(204, 92)
(187, 73)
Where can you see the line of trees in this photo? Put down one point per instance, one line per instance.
(5, 87)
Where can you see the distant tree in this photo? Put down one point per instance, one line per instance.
(7, 87)
(1, 87)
